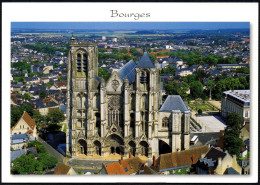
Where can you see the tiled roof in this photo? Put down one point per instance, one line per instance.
(128, 71)
(182, 158)
(59, 84)
(61, 169)
(173, 102)
(145, 62)
(124, 167)
(27, 118)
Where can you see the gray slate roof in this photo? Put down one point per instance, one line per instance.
(173, 102)
(128, 71)
(145, 62)
(17, 153)
(232, 171)
(19, 136)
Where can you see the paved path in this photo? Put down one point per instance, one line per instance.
(51, 150)
(211, 123)
(88, 163)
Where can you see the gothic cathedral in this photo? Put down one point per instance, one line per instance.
(125, 114)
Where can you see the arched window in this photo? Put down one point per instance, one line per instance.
(78, 62)
(165, 122)
(85, 62)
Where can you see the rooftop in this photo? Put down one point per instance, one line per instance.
(173, 102)
(243, 95)
(145, 62)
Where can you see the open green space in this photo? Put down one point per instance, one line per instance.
(204, 106)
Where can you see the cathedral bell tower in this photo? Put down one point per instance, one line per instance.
(82, 69)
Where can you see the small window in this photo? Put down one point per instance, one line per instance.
(126, 170)
(165, 122)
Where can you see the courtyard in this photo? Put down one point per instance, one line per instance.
(211, 123)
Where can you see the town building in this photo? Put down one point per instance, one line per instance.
(25, 125)
(215, 161)
(175, 161)
(123, 114)
(236, 101)
(63, 169)
(129, 166)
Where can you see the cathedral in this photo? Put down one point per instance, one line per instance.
(123, 115)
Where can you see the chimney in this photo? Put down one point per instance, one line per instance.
(154, 161)
(122, 158)
(35, 147)
(130, 156)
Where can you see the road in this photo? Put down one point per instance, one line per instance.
(51, 150)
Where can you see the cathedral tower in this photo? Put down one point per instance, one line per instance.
(82, 69)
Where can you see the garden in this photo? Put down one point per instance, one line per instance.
(201, 105)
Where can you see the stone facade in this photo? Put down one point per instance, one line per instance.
(236, 101)
(122, 115)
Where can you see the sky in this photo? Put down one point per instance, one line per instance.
(131, 25)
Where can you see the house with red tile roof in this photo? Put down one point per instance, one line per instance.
(123, 167)
(25, 125)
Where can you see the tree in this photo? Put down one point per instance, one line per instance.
(47, 160)
(169, 70)
(234, 121)
(53, 127)
(43, 94)
(123, 50)
(55, 116)
(39, 146)
(172, 88)
(196, 89)
(27, 97)
(104, 73)
(26, 164)
(210, 85)
(232, 142)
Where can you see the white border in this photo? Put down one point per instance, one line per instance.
(98, 12)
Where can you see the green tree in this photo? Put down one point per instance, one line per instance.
(52, 127)
(39, 146)
(47, 160)
(104, 73)
(43, 94)
(196, 89)
(172, 88)
(232, 142)
(123, 50)
(115, 51)
(55, 116)
(26, 164)
(169, 70)
(27, 97)
(210, 85)
(234, 121)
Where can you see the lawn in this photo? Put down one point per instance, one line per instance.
(204, 106)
